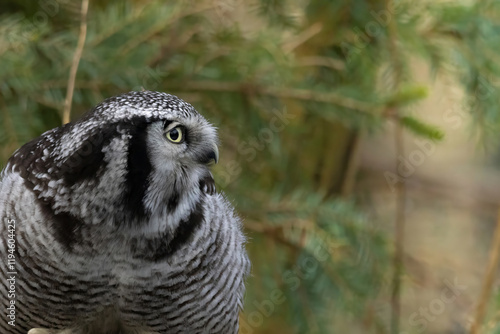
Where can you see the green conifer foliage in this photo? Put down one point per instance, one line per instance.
(291, 85)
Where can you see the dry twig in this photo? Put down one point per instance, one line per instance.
(76, 61)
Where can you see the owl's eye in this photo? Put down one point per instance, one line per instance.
(176, 135)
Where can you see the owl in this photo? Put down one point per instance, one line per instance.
(112, 224)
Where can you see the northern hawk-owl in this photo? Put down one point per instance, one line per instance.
(112, 224)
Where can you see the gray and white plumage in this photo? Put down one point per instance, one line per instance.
(119, 229)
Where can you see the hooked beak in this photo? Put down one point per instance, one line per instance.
(211, 157)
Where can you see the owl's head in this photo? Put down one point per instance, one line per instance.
(134, 158)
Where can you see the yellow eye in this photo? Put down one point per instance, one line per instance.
(175, 135)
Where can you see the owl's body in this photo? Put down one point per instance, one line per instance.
(119, 229)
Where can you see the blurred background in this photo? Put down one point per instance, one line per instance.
(359, 140)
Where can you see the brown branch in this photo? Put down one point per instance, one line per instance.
(399, 238)
(291, 93)
(309, 95)
(401, 187)
(76, 61)
(249, 88)
(322, 61)
(488, 281)
(351, 168)
(306, 35)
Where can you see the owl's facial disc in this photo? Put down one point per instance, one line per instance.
(180, 151)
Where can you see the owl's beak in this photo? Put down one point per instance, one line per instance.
(214, 155)
(211, 157)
